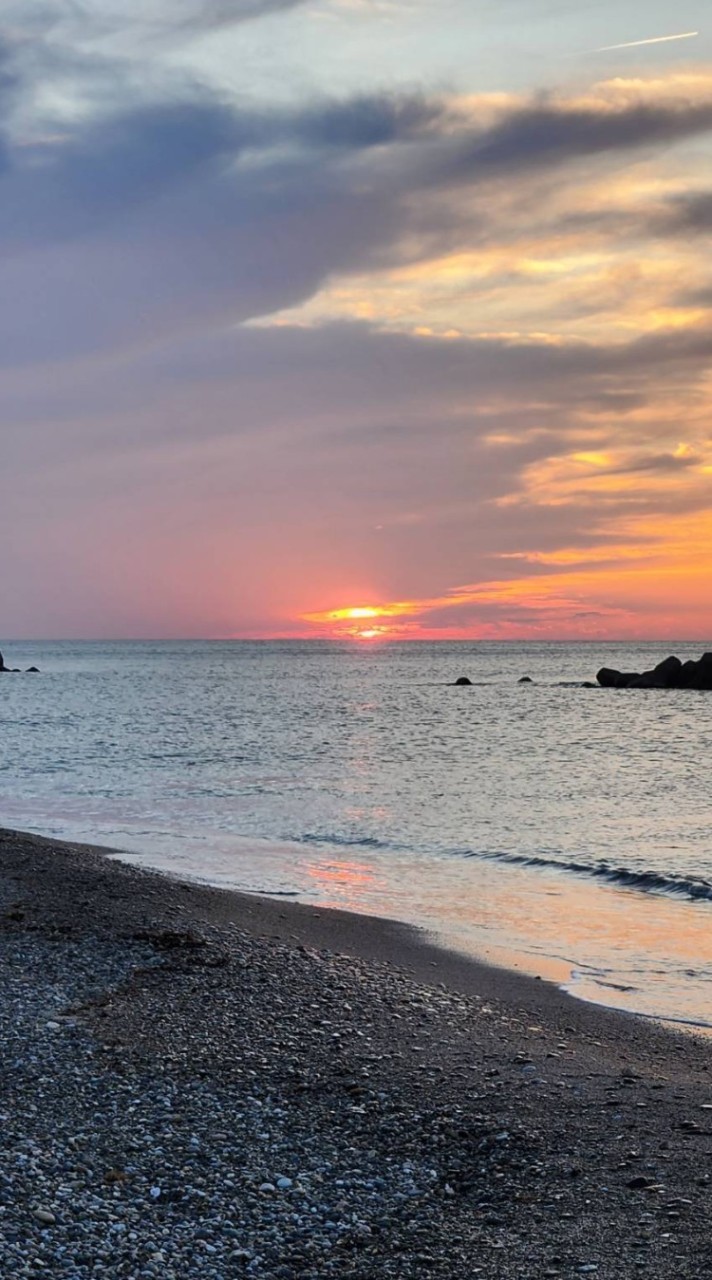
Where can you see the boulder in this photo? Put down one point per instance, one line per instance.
(35, 669)
(671, 673)
(663, 676)
(463, 680)
(687, 673)
(611, 679)
(702, 678)
(525, 680)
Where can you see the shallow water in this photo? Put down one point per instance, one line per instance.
(561, 829)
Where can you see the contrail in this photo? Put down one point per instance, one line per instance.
(635, 44)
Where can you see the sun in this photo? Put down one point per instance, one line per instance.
(371, 633)
(365, 622)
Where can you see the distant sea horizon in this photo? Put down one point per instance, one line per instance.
(297, 638)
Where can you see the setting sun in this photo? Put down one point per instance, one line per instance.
(373, 633)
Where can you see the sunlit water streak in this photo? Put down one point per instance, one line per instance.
(548, 826)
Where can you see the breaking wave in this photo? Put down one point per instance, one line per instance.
(643, 881)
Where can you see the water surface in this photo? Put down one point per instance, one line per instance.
(547, 825)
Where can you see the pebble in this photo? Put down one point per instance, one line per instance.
(155, 1137)
(45, 1215)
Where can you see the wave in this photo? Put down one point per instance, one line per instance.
(645, 881)
(344, 842)
(697, 890)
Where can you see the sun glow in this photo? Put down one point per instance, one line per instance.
(365, 613)
(382, 621)
(349, 615)
(373, 633)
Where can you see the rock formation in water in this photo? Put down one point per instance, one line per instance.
(462, 681)
(8, 670)
(670, 674)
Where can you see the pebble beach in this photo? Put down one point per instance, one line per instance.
(197, 1083)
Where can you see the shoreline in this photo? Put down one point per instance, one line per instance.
(203, 1082)
(514, 925)
(419, 952)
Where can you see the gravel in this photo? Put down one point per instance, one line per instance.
(185, 1097)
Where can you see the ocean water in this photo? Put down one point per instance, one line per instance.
(559, 829)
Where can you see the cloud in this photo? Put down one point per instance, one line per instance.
(550, 130)
(192, 209)
(691, 213)
(368, 459)
(140, 235)
(87, 20)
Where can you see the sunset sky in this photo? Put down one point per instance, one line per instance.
(361, 317)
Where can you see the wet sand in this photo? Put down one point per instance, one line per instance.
(346, 1099)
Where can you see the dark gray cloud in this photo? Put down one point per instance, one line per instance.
(372, 120)
(691, 213)
(540, 134)
(191, 209)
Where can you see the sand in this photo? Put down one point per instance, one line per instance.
(345, 1098)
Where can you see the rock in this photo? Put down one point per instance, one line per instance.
(611, 679)
(525, 680)
(36, 670)
(687, 674)
(463, 680)
(661, 677)
(671, 673)
(44, 1216)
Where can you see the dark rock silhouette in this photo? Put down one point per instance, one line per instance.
(8, 670)
(31, 669)
(525, 680)
(669, 674)
(462, 681)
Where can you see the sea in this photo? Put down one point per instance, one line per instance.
(561, 830)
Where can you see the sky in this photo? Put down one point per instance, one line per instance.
(363, 318)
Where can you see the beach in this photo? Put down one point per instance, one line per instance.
(203, 1083)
